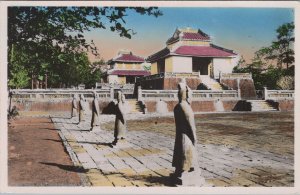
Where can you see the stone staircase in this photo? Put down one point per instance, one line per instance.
(134, 106)
(261, 105)
(210, 83)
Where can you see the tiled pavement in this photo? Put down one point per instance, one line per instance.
(145, 159)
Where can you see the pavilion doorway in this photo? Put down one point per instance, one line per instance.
(201, 65)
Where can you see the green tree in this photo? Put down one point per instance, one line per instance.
(19, 75)
(51, 39)
(267, 65)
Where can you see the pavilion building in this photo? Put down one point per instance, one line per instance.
(125, 67)
(190, 51)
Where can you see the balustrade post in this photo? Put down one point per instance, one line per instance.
(139, 98)
(239, 89)
(112, 94)
(239, 93)
(38, 96)
(265, 93)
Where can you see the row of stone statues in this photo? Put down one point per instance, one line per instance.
(120, 112)
(185, 161)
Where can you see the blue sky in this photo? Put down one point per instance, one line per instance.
(244, 30)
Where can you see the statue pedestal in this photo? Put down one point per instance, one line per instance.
(192, 178)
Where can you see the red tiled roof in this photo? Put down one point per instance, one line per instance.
(130, 72)
(158, 55)
(204, 51)
(188, 36)
(208, 51)
(128, 58)
(194, 36)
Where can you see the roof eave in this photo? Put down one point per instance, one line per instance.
(129, 61)
(190, 55)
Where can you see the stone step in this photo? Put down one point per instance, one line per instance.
(211, 83)
(261, 110)
(135, 107)
(261, 105)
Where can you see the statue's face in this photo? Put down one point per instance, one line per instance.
(119, 96)
(182, 91)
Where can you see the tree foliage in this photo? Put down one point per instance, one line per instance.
(286, 82)
(280, 51)
(267, 65)
(50, 40)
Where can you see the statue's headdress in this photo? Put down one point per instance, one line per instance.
(184, 92)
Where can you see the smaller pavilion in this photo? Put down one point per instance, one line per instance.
(125, 67)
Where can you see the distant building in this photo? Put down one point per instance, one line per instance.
(125, 67)
(190, 50)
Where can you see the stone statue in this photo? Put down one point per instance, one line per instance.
(95, 123)
(74, 106)
(185, 161)
(120, 122)
(82, 109)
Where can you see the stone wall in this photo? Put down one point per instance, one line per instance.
(246, 86)
(169, 83)
(197, 106)
(51, 106)
(151, 106)
(285, 105)
(56, 106)
(229, 105)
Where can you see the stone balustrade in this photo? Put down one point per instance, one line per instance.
(57, 93)
(197, 94)
(278, 94)
(171, 75)
(114, 85)
(157, 94)
(51, 94)
(235, 76)
(220, 94)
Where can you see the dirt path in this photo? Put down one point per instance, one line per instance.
(36, 156)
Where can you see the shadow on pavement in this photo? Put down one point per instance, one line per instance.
(163, 180)
(110, 144)
(72, 168)
(54, 140)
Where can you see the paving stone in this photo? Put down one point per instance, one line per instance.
(118, 163)
(89, 165)
(84, 157)
(106, 168)
(118, 180)
(149, 155)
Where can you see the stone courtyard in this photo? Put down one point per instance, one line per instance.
(234, 149)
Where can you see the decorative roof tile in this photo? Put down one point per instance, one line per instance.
(197, 51)
(203, 51)
(182, 34)
(194, 36)
(129, 58)
(126, 57)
